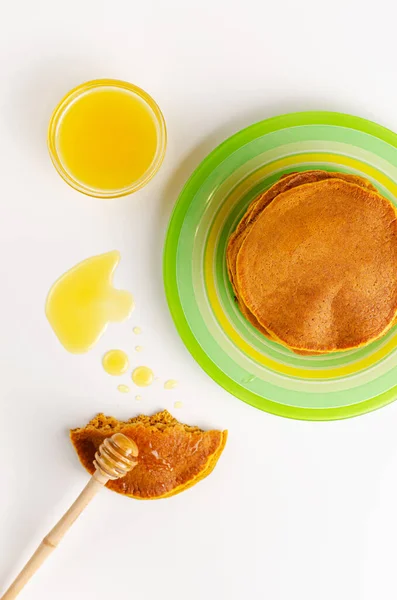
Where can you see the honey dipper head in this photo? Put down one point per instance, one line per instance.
(116, 456)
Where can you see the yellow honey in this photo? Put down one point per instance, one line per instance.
(124, 389)
(170, 384)
(142, 376)
(83, 301)
(115, 362)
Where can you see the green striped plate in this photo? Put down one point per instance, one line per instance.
(229, 349)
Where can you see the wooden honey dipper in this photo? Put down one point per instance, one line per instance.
(114, 459)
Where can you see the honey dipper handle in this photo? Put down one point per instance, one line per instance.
(52, 539)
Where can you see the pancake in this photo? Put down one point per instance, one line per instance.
(256, 207)
(254, 210)
(172, 457)
(317, 267)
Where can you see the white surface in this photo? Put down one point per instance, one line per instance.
(294, 510)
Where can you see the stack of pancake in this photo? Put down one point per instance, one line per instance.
(313, 262)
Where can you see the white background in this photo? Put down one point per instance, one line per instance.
(294, 510)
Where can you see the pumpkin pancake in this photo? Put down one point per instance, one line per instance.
(256, 207)
(172, 457)
(317, 268)
(254, 210)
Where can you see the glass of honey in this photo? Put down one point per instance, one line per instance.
(107, 138)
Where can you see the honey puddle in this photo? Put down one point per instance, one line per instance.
(83, 301)
(115, 362)
(142, 376)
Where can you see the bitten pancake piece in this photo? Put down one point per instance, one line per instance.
(172, 456)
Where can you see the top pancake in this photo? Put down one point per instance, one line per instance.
(254, 210)
(317, 267)
(286, 182)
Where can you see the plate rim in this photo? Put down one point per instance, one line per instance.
(206, 166)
